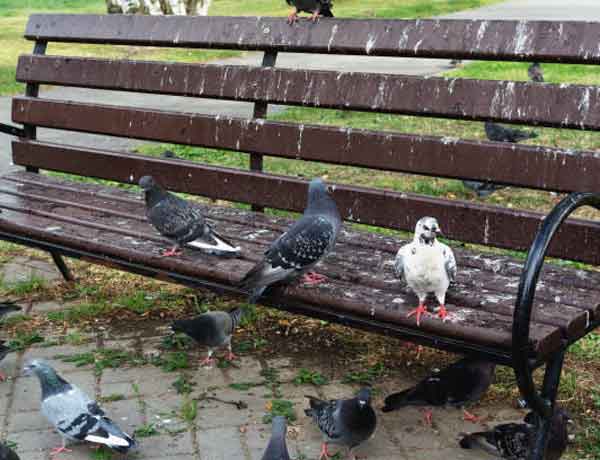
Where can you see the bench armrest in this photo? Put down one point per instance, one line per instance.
(525, 296)
(12, 130)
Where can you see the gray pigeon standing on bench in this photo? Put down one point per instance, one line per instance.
(212, 329)
(75, 416)
(497, 133)
(465, 381)
(346, 422)
(181, 221)
(316, 8)
(300, 248)
(277, 448)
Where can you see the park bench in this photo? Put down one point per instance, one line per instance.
(492, 303)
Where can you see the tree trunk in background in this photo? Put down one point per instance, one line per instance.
(157, 7)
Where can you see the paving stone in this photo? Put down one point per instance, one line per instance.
(221, 444)
(127, 414)
(35, 441)
(165, 446)
(50, 355)
(22, 269)
(214, 413)
(45, 307)
(27, 421)
(247, 370)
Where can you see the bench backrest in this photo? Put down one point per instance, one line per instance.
(550, 105)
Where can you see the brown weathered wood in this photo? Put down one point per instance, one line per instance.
(565, 41)
(566, 106)
(578, 239)
(521, 165)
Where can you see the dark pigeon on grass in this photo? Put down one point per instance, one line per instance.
(5, 309)
(497, 133)
(75, 416)
(168, 154)
(277, 448)
(536, 73)
(512, 441)
(463, 382)
(300, 248)
(6, 453)
(213, 330)
(182, 222)
(345, 422)
(316, 8)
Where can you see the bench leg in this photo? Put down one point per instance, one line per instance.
(62, 266)
(549, 392)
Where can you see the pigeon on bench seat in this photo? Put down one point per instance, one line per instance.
(277, 448)
(181, 221)
(75, 416)
(346, 422)
(301, 247)
(463, 382)
(512, 441)
(316, 8)
(212, 329)
(5, 309)
(6, 453)
(426, 265)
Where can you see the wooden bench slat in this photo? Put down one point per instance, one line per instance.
(470, 222)
(566, 106)
(565, 41)
(88, 229)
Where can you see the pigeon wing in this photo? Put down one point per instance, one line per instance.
(175, 218)
(449, 262)
(400, 261)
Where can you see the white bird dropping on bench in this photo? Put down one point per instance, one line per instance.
(74, 414)
(182, 221)
(277, 448)
(299, 249)
(427, 266)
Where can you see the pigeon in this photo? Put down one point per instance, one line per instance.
(4, 350)
(6, 308)
(305, 243)
(536, 73)
(513, 440)
(426, 265)
(213, 329)
(348, 422)
(498, 133)
(277, 449)
(6, 453)
(317, 8)
(74, 414)
(181, 221)
(462, 382)
(168, 154)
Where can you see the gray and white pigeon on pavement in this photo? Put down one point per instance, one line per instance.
(301, 247)
(75, 416)
(181, 221)
(6, 453)
(346, 422)
(426, 266)
(316, 8)
(212, 329)
(277, 448)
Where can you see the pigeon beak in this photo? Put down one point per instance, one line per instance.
(27, 370)
(438, 231)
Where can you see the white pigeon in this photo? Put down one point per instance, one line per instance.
(75, 416)
(427, 266)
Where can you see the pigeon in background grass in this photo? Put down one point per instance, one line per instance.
(6, 453)
(75, 416)
(462, 382)
(316, 8)
(277, 449)
(346, 422)
(536, 73)
(181, 221)
(301, 247)
(213, 329)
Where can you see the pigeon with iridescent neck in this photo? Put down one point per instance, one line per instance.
(427, 266)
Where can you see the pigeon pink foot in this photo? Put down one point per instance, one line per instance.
(174, 251)
(427, 417)
(208, 361)
(419, 311)
(324, 452)
(59, 450)
(469, 417)
(292, 17)
(312, 278)
(442, 312)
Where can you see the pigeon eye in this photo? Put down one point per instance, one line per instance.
(426, 228)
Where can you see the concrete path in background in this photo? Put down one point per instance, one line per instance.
(515, 9)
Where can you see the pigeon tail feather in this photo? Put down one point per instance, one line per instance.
(326, 12)
(404, 398)
(218, 245)
(8, 307)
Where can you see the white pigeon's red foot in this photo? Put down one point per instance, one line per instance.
(442, 312)
(59, 450)
(208, 361)
(427, 417)
(419, 311)
(324, 452)
(231, 356)
(174, 251)
(312, 278)
(468, 417)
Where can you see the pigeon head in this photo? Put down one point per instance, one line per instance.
(279, 425)
(319, 197)
(427, 229)
(364, 397)
(51, 382)
(147, 183)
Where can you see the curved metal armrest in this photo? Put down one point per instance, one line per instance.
(12, 130)
(525, 296)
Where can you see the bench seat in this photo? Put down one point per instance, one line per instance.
(107, 225)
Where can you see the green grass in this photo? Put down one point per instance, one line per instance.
(366, 377)
(23, 340)
(587, 348)
(105, 358)
(173, 361)
(280, 407)
(189, 411)
(145, 431)
(80, 312)
(183, 385)
(102, 453)
(24, 287)
(112, 398)
(306, 376)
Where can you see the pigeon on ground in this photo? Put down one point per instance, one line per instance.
(277, 449)
(426, 265)
(76, 417)
(6, 308)
(6, 453)
(498, 133)
(513, 440)
(213, 329)
(181, 221)
(346, 422)
(463, 382)
(299, 249)
(316, 8)
(536, 73)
